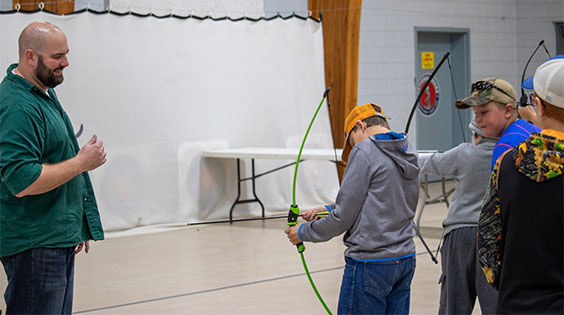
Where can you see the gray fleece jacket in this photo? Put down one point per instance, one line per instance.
(470, 166)
(376, 202)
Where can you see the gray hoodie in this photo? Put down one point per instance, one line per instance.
(376, 203)
(470, 166)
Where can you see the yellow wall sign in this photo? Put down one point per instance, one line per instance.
(427, 60)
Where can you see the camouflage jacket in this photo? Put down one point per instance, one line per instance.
(540, 158)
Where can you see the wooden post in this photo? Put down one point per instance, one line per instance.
(341, 28)
(56, 6)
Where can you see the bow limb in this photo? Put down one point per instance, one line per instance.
(294, 211)
(413, 108)
(325, 94)
(423, 90)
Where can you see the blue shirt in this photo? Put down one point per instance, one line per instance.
(516, 133)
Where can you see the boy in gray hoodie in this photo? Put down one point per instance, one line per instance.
(461, 279)
(375, 207)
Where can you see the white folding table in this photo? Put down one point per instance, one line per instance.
(270, 154)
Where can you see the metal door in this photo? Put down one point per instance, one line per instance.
(440, 125)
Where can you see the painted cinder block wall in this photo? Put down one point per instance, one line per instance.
(503, 34)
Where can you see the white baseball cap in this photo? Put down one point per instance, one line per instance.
(548, 81)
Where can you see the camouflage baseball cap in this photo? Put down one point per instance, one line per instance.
(487, 90)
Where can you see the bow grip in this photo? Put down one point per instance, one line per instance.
(293, 214)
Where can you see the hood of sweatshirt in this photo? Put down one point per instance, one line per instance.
(404, 155)
(541, 157)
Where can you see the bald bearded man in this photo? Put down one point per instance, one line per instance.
(48, 211)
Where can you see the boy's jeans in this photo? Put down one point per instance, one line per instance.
(40, 281)
(376, 287)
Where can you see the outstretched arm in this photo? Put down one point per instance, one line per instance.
(350, 199)
(441, 164)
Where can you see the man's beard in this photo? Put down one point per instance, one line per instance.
(46, 76)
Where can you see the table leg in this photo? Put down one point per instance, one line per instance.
(254, 191)
(238, 191)
(239, 180)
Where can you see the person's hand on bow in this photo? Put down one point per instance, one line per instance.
(311, 215)
(292, 232)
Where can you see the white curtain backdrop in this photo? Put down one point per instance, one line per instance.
(159, 92)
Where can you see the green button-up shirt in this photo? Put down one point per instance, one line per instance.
(35, 130)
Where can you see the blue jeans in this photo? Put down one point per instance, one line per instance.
(40, 281)
(381, 287)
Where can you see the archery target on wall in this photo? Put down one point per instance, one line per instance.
(429, 102)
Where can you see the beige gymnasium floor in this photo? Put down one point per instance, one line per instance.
(242, 268)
